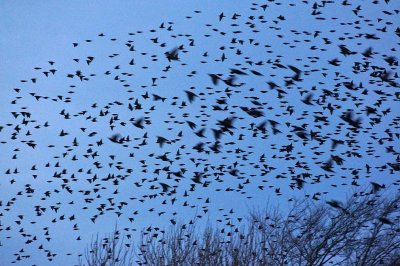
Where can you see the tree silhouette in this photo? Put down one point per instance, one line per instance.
(362, 230)
(108, 251)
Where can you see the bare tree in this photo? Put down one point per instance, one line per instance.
(108, 251)
(362, 230)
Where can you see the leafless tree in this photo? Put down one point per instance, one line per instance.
(108, 251)
(364, 229)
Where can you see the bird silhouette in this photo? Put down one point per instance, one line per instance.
(219, 107)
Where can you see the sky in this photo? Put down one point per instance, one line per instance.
(286, 74)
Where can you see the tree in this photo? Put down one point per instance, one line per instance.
(108, 251)
(363, 230)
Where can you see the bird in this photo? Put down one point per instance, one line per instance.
(165, 187)
(172, 55)
(221, 105)
(191, 95)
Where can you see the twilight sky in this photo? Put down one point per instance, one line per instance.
(143, 112)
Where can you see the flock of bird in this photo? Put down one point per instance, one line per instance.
(164, 123)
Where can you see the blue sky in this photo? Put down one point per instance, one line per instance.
(250, 169)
